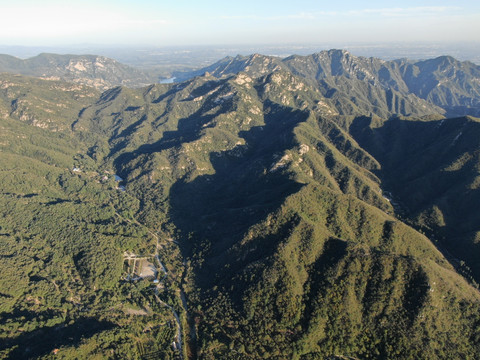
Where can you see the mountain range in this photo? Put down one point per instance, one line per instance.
(311, 207)
(373, 85)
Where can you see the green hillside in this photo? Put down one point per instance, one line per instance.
(64, 227)
(288, 217)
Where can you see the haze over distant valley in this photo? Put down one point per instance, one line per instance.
(166, 60)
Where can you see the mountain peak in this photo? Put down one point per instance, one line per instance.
(339, 52)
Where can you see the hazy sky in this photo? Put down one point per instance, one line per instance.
(212, 22)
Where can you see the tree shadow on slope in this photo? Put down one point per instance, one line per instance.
(333, 252)
(422, 161)
(43, 341)
(431, 168)
(213, 212)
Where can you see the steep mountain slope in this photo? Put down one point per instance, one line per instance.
(446, 82)
(97, 71)
(433, 174)
(372, 85)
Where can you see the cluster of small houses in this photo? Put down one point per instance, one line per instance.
(144, 270)
(147, 271)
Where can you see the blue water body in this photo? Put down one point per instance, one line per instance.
(168, 81)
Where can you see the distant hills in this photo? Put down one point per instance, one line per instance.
(312, 207)
(97, 71)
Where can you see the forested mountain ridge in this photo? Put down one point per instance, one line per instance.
(290, 224)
